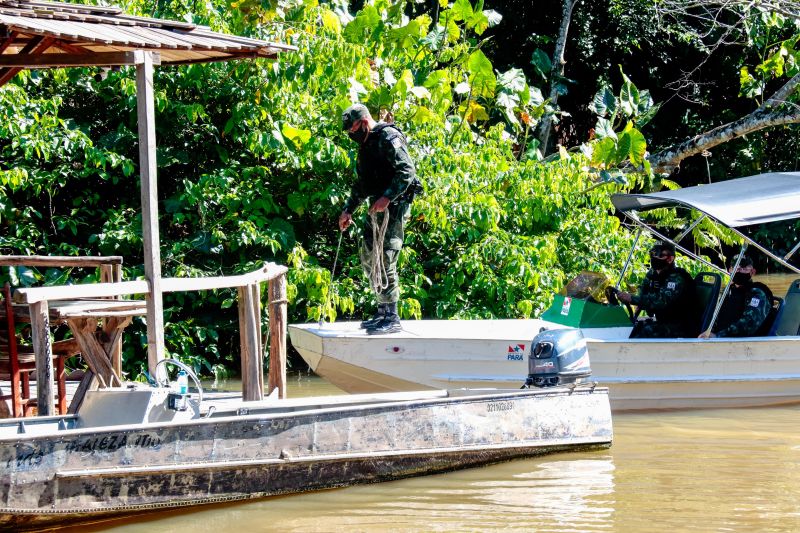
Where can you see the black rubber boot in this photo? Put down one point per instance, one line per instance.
(377, 317)
(389, 324)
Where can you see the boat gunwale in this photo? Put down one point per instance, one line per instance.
(489, 395)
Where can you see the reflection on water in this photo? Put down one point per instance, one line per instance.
(715, 470)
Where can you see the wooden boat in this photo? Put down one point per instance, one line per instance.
(129, 451)
(641, 374)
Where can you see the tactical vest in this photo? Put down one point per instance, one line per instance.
(375, 168)
(735, 303)
(683, 310)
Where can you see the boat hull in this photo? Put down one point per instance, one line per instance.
(90, 474)
(640, 374)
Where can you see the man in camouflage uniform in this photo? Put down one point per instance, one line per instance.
(667, 295)
(746, 306)
(387, 178)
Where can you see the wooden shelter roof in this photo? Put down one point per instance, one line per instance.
(39, 34)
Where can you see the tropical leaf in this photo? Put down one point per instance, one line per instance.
(481, 75)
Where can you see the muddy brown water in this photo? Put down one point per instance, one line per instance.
(725, 470)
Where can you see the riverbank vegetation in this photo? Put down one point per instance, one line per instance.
(521, 124)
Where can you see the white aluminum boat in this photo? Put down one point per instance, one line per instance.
(137, 449)
(641, 374)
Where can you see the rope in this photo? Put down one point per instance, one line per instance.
(707, 154)
(330, 289)
(378, 278)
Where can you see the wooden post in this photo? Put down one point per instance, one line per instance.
(249, 307)
(243, 349)
(277, 336)
(40, 330)
(112, 273)
(148, 173)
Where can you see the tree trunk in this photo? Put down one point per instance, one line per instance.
(557, 71)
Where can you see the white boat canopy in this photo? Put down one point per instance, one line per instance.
(735, 203)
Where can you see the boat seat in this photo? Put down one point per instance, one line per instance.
(707, 286)
(773, 318)
(788, 321)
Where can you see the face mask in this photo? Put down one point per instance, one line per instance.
(657, 263)
(358, 136)
(741, 278)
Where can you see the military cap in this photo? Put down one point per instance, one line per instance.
(745, 262)
(660, 248)
(352, 114)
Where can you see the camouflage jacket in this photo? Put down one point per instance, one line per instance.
(668, 295)
(384, 167)
(744, 310)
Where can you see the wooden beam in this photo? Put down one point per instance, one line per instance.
(41, 60)
(40, 328)
(28, 295)
(267, 272)
(149, 191)
(70, 48)
(31, 295)
(277, 336)
(56, 261)
(36, 46)
(88, 382)
(7, 41)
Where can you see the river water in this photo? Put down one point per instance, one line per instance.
(673, 471)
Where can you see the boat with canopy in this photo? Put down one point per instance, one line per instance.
(640, 373)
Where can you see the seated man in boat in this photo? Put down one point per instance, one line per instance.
(746, 306)
(666, 295)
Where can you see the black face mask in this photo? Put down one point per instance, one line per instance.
(741, 278)
(358, 136)
(658, 263)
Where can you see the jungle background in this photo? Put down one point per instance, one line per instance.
(522, 117)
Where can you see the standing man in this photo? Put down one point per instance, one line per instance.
(746, 306)
(667, 295)
(387, 178)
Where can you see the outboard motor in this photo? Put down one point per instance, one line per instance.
(558, 357)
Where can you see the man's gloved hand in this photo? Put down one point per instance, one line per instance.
(345, 219)
(624, 297)
(380, 205)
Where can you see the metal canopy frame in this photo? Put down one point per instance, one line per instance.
(734, 204)
(42, 34)
(709, 200)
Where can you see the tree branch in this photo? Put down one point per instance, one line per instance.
(669, 159)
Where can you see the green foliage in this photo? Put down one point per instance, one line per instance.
(253, 167)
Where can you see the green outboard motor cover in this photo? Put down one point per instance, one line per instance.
(558, 357)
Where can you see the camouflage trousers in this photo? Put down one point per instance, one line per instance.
(651, 329)
(392, 244)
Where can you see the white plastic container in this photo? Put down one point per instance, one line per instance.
(183, 382)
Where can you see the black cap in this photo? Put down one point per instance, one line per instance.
(352, 114)
(660, 248)
(745, 262)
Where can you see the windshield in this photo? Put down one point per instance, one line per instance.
(588, 286)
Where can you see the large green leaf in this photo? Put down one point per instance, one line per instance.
(481, 75)
(461, 10)
(638, 146)
(604, 128)
(604, 102)
(629, 97)
(365, 23)
(541, 63)
(512, 80)
(604, 152)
